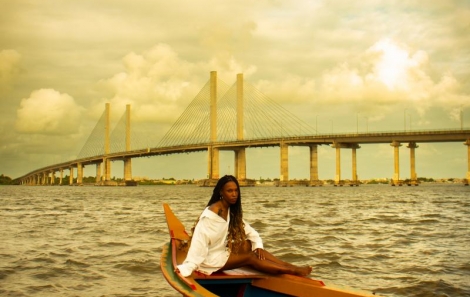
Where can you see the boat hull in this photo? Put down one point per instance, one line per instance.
(241, 282)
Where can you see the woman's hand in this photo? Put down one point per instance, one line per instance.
(260, 254)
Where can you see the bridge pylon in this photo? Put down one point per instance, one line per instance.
(240, 154)
(213, 153)
(128, 161)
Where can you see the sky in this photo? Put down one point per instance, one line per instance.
(340, 66)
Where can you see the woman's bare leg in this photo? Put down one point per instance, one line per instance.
(268, 266)
(246, 248)
(239, 260)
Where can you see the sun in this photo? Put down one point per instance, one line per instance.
(392, 65)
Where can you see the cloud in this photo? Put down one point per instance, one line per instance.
(159, 84)
(391, 73)
(222, 37)
(292, 90)
(157, 78)
(46, 111)
(386, 76)
(384, 72)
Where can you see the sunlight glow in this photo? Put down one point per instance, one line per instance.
(392, 66)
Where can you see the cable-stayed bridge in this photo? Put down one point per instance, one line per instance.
(262, 118)
(235, 118)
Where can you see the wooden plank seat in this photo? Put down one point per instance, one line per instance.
(239, 273)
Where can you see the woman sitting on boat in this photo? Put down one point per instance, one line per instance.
(222, 240)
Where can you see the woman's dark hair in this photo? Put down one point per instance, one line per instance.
(236, 229)
(237, 208)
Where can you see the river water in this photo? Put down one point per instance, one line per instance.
(106, 241)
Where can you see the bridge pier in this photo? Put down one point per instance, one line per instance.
(467, 179)
(127, 169)
(240, 164)
(284, 178)
(213, 162)
(338, 180)
(396, 161)
(52, 178)
(413, 176)
(314, 181)
(79, 173)
(71, 176)
(107, 169)
(61, 176)
(355, 180)
(98, 173)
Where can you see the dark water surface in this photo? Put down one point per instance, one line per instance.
(106, 241)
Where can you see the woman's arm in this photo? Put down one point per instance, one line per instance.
(198, 249)
(253, 236)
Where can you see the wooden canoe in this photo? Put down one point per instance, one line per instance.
(242, 282)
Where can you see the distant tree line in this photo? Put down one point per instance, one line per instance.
(5, 180)
(85, 180)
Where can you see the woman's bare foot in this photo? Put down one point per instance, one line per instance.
(303, 271)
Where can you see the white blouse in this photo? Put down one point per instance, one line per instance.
(208, 251)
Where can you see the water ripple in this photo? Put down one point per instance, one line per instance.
(106, 241)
